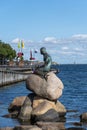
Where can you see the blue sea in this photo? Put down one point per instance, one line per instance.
(74, 97)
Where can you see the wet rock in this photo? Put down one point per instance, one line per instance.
(37, 107)
(51, 125)
(11, 115)
(50, 115)
(41, 106)
(50, 88)
(16, 104)
(60, 108)
(6, 128)
(26, 109)
(77, 124)
(75, 128)
(25, 114)
(83, 117)
(27, 127)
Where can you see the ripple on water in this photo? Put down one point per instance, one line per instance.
(74, 78)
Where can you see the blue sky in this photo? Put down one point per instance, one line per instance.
(59, 25)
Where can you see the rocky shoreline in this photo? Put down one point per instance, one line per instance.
(41, 110)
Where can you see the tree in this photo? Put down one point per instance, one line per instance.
(6, 52)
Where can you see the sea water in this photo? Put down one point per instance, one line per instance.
(74, 97)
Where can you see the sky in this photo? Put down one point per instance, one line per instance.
(58, 25)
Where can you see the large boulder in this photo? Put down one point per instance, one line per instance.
(41, 106)
(49, 87)
(16, 104)
(26, 109)
(51, 125)
(50, 115)
(60, 108)
(36, 108)
(46, 110)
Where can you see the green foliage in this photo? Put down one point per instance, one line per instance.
(6, 51)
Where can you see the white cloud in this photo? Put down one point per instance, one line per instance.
(30, 41)
(67, 52)
(80, 36)
(73, 39)
(65, 48)
(16, 40)
(50, 40)
(78, 49)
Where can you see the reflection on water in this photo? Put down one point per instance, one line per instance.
(7, 94)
